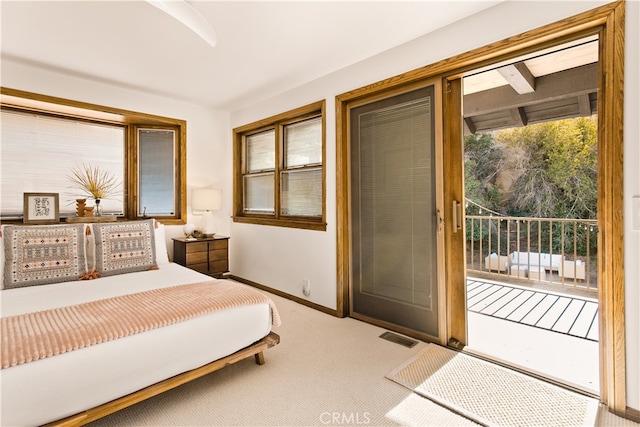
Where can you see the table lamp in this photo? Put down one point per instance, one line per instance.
(206, 200)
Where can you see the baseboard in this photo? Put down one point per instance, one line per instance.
(285, 295)
(633, 414)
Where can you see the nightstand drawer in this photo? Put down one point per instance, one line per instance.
(201, 267)
(197, 247)
(218, 244)
(196, 257)
(219, 266)
(218, 254)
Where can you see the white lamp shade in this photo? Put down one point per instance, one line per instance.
(188, 229)
(205, 199)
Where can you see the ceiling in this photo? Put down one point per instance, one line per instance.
(268, 47)
(264, 47)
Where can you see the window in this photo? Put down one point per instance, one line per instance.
(38, 153)
(279, 170)
(156, 169)
(45, 138)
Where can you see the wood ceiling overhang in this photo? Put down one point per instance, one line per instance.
(522, 98)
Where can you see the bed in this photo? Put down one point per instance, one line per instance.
(79, 385)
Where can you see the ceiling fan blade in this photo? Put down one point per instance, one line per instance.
(185, 13)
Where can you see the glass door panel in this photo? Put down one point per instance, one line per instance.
(393, 205)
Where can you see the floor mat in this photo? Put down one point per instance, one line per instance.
(490, 394)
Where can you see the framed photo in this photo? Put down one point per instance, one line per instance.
(41, 208)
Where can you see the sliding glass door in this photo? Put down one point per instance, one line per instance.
(394, 224)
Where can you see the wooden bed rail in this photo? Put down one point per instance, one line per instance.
(256, 349)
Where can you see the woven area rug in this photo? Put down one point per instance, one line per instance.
(490, 394)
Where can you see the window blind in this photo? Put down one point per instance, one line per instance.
(157, 185)
(397, 202)
(282, 169)
(38, 153)
(261, 152)
(303, 143)
(300, 186)
(301, 192)
(259, 193)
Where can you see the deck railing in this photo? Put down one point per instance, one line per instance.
(553, 250)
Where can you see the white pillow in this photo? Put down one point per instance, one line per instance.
(162, 255)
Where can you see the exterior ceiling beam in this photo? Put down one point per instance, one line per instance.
(584, 104)
(519, 116)
(570, 83)
(469, 126)
(519, 77)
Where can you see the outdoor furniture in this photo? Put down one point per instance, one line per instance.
(537, 273)
(573, 270)
(551, 262)
(495, 262)
(519, 270)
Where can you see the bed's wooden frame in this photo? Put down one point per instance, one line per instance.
(256, 350)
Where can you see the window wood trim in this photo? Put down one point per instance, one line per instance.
(608, 22)
(66, 108)
(277, 122)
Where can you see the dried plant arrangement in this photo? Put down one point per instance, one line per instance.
(94, 182)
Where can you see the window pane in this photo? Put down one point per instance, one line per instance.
(261, 154)
(301, 193)
(303, 142)
(258, 193)
(156, 150)
(395, 196)
(38, 153)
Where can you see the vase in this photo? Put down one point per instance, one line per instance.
(98, 210)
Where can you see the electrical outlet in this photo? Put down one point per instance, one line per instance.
(306, 287)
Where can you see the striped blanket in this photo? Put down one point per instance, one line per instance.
(33, 336)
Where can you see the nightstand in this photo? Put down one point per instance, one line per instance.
(209, 255)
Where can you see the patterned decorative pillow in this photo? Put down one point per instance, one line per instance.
(124, 247)
(43, 254)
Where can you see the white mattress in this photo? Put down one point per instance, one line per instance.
(59, 386)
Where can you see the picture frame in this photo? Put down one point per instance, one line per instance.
(41, 208)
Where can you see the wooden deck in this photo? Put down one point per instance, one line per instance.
(564, 314)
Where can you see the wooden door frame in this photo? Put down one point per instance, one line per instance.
(608, 22)
(347, 309)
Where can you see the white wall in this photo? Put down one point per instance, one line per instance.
(258, 251)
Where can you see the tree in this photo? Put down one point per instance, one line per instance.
(483, 161)
(559, 175)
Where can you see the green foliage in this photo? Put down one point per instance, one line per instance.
(558, 173)
(546, 170)
(483, 159)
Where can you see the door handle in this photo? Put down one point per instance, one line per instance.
(457, 216)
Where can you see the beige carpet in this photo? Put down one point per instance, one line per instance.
(491, 394)
(325, 372)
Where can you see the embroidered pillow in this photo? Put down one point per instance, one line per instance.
(124, 247)
(41, 255)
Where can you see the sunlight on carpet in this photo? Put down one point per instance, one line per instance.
(413, 412)
(491, 394)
